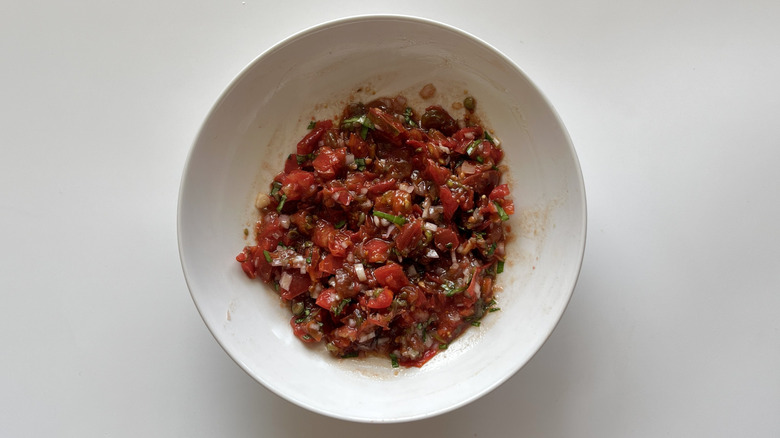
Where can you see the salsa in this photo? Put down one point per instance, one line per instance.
(385, 231)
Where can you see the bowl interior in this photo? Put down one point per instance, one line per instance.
(258, 121)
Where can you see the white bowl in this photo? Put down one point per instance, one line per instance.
(257, 122)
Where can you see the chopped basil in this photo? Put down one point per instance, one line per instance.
(394, 360)
(267, 256)
(398, 220)
(501, 213)
(340, 223)
(472, 147)
(275, 188)
(500, 267)
(408, 117)
(281, 203)
(304, 158)
(360, 163)
(340, 307)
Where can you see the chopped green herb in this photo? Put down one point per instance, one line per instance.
(276, 286)
(360, 163)
(364, 132)
(443, 346)
(408, 117)
(340, 223)
(312, 124)
(491, 250)
(500, 267)
(341, 305)
(480, 159)
(267, 256)
(281, 203)
(494, 309)
(275, 188)
(501, 213)
(472, 147)
(450, 289)
(475, 323)
(394, 360)
(308, 260)
(488, 137)
(304, 158)
(348, 355)
(398, 220)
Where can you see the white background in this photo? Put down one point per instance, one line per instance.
(673, 329)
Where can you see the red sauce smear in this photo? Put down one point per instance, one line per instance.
(384, 233)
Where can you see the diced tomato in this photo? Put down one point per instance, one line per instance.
(330, 263)
(299, 284)
(330, 162)
(483, 182)
(388, 125)
(464, 137)
(309, 142)
(376, 250)
(339, 243)
(392, 276)
(501, 191)
(323, 230)
(298, 184)
(448, 202)
(446, 239)
(328, 298)
(308, 329)
(359, 147)
(410, 236)
(381, 186)
(438, 174)
(291, 163)
(475, 282)
(381, 300)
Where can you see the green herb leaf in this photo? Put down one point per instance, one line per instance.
(475, 323)
(360, 163)
(394, 360)
(501, 213)
(275, 187)
(312, 124)
(340, 223)
(267, 256)
(340, 307)
(500, 267)
(364, 132)
(398, 220)
(472, 147)
(281, 203)
(351, 354)
(443, 346)
(491, 250)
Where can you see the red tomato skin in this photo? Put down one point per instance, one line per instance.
(382, 300)
(391, 275)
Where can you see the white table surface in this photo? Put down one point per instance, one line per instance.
(673, 329)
